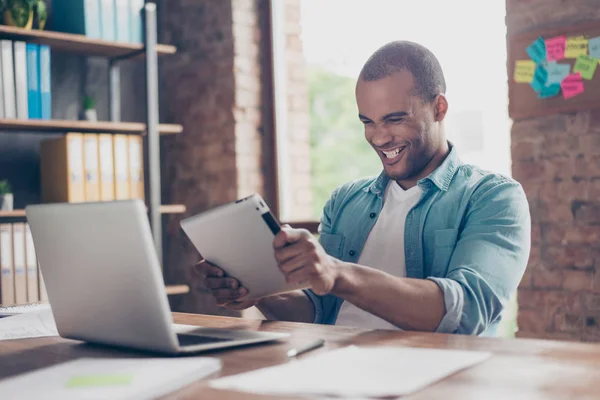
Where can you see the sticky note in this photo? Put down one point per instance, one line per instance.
(557, 72)
(89, 381)
(586, 66)
(594, 47)
(524, 70)
(537, 50)
(555, 48)
(549, 91)
(576, 46)
(572, 85)
(540, 77)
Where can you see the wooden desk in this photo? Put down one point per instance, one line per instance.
(519, 369)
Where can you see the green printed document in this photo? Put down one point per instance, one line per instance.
(102, 378)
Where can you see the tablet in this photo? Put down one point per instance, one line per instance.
(238, 238)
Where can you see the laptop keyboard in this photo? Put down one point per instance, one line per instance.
(191, 340)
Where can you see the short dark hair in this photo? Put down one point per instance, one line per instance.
(412, 57)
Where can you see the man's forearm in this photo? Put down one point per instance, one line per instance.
(293, 306)
(410, 304)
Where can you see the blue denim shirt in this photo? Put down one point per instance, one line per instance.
(470, 233)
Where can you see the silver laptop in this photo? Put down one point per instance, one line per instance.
(105, 284)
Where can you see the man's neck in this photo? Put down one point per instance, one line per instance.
(437, 160)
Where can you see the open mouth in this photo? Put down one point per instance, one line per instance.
(392, 156)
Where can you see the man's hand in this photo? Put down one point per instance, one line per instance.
(302, 259)
(227, 291)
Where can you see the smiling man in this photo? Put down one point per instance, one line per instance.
(431, 244)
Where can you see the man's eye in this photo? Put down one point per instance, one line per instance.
(367, 122)
(396, 120)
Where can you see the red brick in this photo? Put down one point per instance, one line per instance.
(591, 303)
(527, 279)
(588, 212)
(524, 151)
(578, 280)
(581, 257)
(563, 145)
(528, 170)
(532, 321)
(564, 322)
(578, 124)
(544, 278)
(550, 211)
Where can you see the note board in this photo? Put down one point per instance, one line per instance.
(562, 92)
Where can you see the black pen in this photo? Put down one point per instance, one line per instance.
(311, 346)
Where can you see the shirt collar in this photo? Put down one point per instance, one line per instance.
(441, 177)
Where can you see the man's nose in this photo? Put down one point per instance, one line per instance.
(382, 135)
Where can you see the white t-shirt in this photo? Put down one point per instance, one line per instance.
(383, 250)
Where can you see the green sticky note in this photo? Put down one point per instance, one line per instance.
(88, 381)
(586, 66)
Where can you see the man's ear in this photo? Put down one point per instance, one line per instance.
(440, 107)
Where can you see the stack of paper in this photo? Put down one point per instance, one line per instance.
(89, 378)
(29, 325)
(356, 372)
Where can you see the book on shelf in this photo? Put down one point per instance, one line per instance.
(45, 82)
(136, 25)
(20, 64)
(122, 20)
(8, 79)
(33, 291)
(107, 20)
(77, 16)
(136, 167)
(91, 165)
(19, 265)
(107, 171)
(33, 81)
(62, 169)
(7, 282)
(121, 166)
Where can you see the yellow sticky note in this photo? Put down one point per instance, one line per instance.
(576, 46)
(586, 66)
(87, 381)
(524, 71)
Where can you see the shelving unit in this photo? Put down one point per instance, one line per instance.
(84, 126)
(115, 52)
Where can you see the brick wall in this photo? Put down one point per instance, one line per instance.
(213, 86)
(557, 160)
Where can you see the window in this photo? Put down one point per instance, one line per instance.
(318, 50)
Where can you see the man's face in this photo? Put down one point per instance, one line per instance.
(398, 124)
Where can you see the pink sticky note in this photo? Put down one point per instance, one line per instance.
(555, 48)
(572, 85)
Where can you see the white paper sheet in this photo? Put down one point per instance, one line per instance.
(23, 309)
(28, 325)
(356, 372)
(89, 378)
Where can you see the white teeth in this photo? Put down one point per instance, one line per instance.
(393, 153)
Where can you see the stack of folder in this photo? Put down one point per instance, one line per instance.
(21, 280)
(25, 83)
(111, 20)
(92, 167)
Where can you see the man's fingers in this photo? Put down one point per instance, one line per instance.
(292, 264)
(287, 236)
(218, 283)
(208, 269)
(287, 253)
(299, 275)
(223, 296)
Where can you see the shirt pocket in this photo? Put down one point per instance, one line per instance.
(445, 243)
(333, 244)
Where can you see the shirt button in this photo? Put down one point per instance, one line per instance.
(352, 253)
(372, 215)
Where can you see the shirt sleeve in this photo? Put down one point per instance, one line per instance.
(489, 260)
(324, 305)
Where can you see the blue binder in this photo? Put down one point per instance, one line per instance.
(33, 82)
(45, 82)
